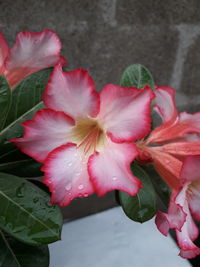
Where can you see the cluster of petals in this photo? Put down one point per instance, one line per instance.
(31, 52)
(183, 207)
(85, 138)
(172, 147)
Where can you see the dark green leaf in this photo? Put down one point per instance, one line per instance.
(141, 207)
(26, 212)
(138, 76)
(26, 99)
(23, 168)
(17, 254)
(161, 188)
(5, 100)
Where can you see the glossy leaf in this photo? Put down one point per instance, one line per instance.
(141, 207)
(26, 99)
(26, 212)
(138, 76)
(5, 100)
(17, 254)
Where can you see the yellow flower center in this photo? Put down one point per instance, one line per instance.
(88, 135)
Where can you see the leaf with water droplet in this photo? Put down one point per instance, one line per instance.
(28, 215)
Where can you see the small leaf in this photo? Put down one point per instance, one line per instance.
(16, 254)
(5, 100)
(26, 212)
(26, 99)
(138, 76)
(141, 207)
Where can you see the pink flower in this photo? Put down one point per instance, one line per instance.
(85, 138)
(173, 149)
(32, 52)
(177, 137)
(184, 203)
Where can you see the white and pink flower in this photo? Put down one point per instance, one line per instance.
(32, 52)
(184, 204)
(85, 139)
(174, 150)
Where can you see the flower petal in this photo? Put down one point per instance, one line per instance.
(189, 232)
(72, 92)
(65, 172)
(32, 52)
(182, 148)
(125, 112)
(167, 166)
(46, 131)
(190, 169)
(166, 108)
(4, 51)
(109, 169)
(184, 125)
(175, 217)
(165, 103)
(190, 174)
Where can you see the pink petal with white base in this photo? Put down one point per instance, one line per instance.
(32, 52)
(175, 217)
(109, 169)
(72, 92)
(46, 131)
(190, 173)
(125, 112)
(165, 103)
(4, 51)
(65, 172)
(189, 232)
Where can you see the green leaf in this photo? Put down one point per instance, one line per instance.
(26, 99)
(23, 168)
(161, 188)
(17, 254)
(138, 76)
(141, 207)
(26, 212)
(5, 100)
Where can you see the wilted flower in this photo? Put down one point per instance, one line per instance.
(85, 138)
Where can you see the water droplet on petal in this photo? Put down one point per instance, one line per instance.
(68, 187)
(69, 164)
(85, 195)
(78, 174)
(114, 178)
(81, 186)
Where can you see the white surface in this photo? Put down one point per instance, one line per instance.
(109, 239)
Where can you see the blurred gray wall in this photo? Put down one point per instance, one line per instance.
(106, 36)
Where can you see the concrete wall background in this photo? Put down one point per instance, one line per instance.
(105, 36)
